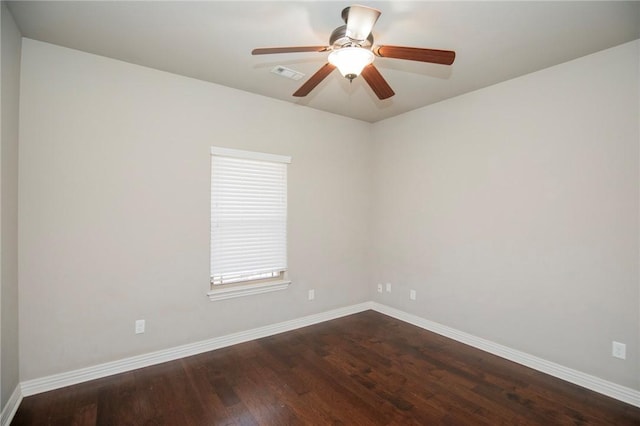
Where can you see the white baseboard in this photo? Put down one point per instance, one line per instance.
(621, 393)
(57, 381)
(9, 410)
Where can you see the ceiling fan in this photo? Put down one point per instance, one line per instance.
(353, 52)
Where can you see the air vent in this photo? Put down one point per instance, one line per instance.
(287, 72)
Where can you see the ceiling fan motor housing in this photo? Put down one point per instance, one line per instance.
(339, 39)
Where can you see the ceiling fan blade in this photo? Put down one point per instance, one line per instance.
(378, 84)
(295, 49)
(314, 80)
(360, 21)
(444, 57)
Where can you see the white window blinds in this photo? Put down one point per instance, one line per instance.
(248, 215)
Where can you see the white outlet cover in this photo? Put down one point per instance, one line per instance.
(140, 324)
(379, 288)
(412, 294)
(388, 287)
(619, 350)
(312, 294)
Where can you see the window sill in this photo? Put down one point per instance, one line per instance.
(247, 290)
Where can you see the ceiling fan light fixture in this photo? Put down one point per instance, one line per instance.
(351, 60)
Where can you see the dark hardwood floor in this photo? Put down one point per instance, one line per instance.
(364, 369)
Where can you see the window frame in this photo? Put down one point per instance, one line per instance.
(222, 291)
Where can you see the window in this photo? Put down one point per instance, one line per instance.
(248, 223)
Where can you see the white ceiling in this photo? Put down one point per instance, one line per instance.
(212, 41)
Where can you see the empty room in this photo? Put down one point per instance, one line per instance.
(320, 212)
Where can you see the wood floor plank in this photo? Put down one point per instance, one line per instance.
(362, 369)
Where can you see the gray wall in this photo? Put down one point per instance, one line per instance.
(11, 45)
(114, 202)
(513, 212)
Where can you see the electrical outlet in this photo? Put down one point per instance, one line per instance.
(140, 324)
(412, 294)
(619, 350)
(388, 287)
(312, 294)
(379, 288)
